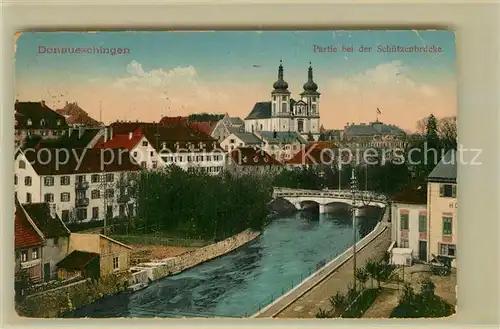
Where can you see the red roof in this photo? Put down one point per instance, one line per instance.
(25, 234)
(173, 120)
(206, 126)
(312, 154)
(248, 156)
(125, 141)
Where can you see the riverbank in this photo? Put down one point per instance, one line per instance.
(312, 293)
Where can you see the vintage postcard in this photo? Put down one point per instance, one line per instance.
(236, 174)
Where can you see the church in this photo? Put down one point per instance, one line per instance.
(283, 113)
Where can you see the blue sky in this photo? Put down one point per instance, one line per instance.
(228, 57)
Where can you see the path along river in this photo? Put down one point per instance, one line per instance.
(240, 283)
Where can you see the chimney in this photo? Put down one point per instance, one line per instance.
(80, 132)
(130, 136)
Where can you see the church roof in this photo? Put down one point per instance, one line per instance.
(262, 110)
(248, 138)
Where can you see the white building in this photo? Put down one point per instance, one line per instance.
(282, 146)
(226, 126)
(409, 223)
(241, 139)
(282, 113)
(79, 184)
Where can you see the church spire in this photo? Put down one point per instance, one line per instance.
(310, 86)
(280, 84)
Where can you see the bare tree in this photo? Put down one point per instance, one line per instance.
(447, 128)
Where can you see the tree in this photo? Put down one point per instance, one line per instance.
(372, 268)
(339, 303)
(362, 276)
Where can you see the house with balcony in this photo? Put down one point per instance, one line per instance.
(442, 208)
(409, 226)
(79, 184)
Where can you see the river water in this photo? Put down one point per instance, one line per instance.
(242, 282)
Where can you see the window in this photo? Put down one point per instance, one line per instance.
(447, 225)
(313, 107)
(274, 108)
(81, 214)
(95, 212)
(95, 178)
(143, 164)
(27, 181)
(448, 191)
(109, 211)
(65, 197)
(110, 193)
(404, 243)
(300, 126)
(65, 215)
(314, 99)
(15, 179)
(28, 197)
(110, 177)
(422, 223)
(48, 181)
(151, 153)
(447, 250)
(135, 154)
(24, 255)
(22, 164)
(231, 141)
(283, 107)
(274, 98)
(121, 210)
(404, 222)
(144, 143)
(34, 253)
(115, 263)
(95, 194)
(80, 178)
(155, 164)
(48, 197)
(65, 180)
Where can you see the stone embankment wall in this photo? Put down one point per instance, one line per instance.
(56, 302)
(192, 258)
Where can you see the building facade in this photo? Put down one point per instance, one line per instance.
(92, 184)
(249, 160)
(241, 139)
(283, 113)
(442, 208)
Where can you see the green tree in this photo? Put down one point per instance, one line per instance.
(338, 302)
(362, 276)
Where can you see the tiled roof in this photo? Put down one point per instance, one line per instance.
(178, 136)
(312, 154)
(282, 137)
(25, 235)
(73, 139)
(77, 260)
(76, 115)
(50, 226)
(41, 116)
(235, 129)
(261, 110)
(236, 121)
(248, 156)
(124, 141)
(206, 126)
(446, 169)
(173, 120)
(248, 138)
(412, 195)
(372, 128)
(81, 161)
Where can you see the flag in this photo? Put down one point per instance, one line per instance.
(378, 111)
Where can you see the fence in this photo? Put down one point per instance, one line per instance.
(160, 241)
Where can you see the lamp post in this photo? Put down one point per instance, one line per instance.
(358, 200)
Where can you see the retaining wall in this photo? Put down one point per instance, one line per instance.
(174, 265)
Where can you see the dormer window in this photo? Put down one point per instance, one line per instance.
(28, 122)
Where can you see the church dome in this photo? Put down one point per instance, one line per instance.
(280, 84)
(310, 85)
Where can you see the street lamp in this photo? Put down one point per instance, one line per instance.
(359, 200)
(321, 175)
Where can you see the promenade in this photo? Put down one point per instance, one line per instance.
(306, 300)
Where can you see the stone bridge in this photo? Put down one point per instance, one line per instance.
(303, 199)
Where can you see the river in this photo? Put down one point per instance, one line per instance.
(242, 282)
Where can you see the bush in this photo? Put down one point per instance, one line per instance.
(362, 304)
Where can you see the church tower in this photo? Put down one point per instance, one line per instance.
(310, 96)
(280, 96)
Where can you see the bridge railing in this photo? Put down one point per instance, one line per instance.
(345, 194)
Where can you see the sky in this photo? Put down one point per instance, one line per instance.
(178, 73)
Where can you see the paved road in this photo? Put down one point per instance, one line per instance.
(318, 297)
